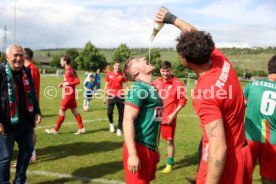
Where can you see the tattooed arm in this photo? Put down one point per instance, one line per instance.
(216, 150)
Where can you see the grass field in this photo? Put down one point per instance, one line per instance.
(96, 157)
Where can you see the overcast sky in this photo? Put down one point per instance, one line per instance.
(108, 23)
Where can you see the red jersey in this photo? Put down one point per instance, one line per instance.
(70, 81)
(36, 78)
(173, 93)
(115, 83)
(218, 94)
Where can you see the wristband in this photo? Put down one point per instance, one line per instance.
(169, 18)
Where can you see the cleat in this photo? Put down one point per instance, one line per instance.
(167, 169)
(119, 132)
(111, 128)
(51, 131)
(80, 131)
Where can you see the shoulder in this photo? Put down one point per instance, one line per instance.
(158, 80)
(177, 80)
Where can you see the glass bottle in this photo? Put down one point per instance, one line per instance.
(158, 25)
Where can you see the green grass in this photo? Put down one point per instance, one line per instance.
(98, 153)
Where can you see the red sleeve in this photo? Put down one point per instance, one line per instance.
(182, 94)
(74, 78)
(209, 111)
(36, 78)
(107, 77)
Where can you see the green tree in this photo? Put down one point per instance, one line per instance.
(73, 54)
(90, 58)
(179, 70)
(154, 57)
(122, 53)
(55, 62)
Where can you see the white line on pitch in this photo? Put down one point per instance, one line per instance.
(68, 123)
(100, 119)
(82, 178)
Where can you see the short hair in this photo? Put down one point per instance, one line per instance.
(28, 53)
(91, 75)
(272, 65)
(117, 61)
(165, 65)
(126, 70)
(195, 46)
(67, 59)
(14, 45)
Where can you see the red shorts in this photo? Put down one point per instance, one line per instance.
(266, 153)
(168, 130)
(148, 159)
(237, 168)
(69, 103)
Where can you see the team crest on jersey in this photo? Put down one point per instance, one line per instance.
(158, 114)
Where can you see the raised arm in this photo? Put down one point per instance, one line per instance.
(168, 18)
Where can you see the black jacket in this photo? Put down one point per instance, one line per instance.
(5, 118)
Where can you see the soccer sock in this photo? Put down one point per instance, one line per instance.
(170, 161)
(79, 120)
(34, 152)
(59, 122)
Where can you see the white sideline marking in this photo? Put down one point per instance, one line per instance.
(100, 119)
(68, 123)
(83, 178)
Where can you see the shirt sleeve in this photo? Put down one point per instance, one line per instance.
(136, 97)
(246, 90)
(107, 78)
(209, 111)
(181, 94)
(74, 78)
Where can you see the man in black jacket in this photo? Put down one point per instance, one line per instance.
(19, 114)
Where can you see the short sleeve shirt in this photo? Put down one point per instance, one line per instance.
(115, 83)
(218, 94)
(260, 118)
(173, 93)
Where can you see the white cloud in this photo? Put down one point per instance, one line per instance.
(108, 23)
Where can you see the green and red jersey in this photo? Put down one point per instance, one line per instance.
(260, 119)
(144, 97)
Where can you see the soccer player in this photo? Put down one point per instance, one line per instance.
(260, 122)
(142, 117)
(172, 92)
(28, 63)
(218, 101)
(68, 97)
(113, 88)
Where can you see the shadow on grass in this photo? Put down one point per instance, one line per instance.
(49, 115)
(87, 174)
(76, 149)
(187, 161)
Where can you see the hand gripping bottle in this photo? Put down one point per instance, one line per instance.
(158, 26)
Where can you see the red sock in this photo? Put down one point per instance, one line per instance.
(59, 122)
(79, 120)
